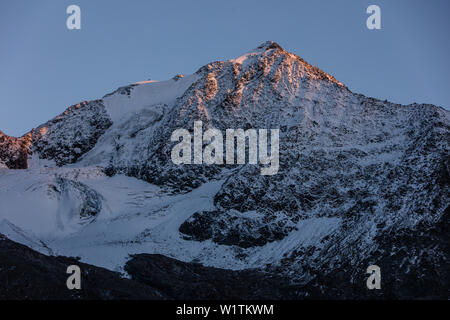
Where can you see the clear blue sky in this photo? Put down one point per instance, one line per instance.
(44, 67)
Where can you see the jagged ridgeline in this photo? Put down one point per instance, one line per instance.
(360, 180)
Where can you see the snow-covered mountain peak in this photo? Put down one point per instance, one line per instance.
(268, 45)
(355, 173)
(270, 54)
(257, 54)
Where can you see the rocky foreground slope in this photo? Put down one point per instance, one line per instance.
(360, 181)
(27, 274)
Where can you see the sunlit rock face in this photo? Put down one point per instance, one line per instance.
(14, 151)
(359, 179)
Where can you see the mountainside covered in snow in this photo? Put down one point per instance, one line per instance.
(360, 181)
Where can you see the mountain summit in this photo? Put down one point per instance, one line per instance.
(360, 181)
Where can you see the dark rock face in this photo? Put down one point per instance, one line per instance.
(125, 90)
(231, 228)
(414, 265)
(338, 182)
(27, 274)
(181, 280)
